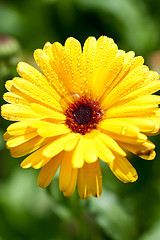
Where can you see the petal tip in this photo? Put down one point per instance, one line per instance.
(23, 165)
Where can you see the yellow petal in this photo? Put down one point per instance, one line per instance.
(136, 62)
(48, 49)
(151, 77)
(145, 150)
(106, 64)
(45, 64)
(15, 99)
(110, 143)
(104, 153)
(144, 125)
(65, 171)
(20, 128)
(77, 159)
(6, 136)
(122, 131)
(60, 63)
(70, 67)
(106, 50)
(72, 142)
(65, 71)
(143, 100)
(123, 170)
(132, 140)
(150, 88)
(128, 57)
(82, 183)
(130, 111)
(76, 64)
(108, 74)
(89, 151)
(70, 190)
(129, 83)
(36, 159)
(56, 146)
(35, 93)
(89, 56)
(119, 127)
(18, 97)
(95, 178)
(8, 84)
(49, 129)
(48, 171)
(15, 141)
(29, 146)
(46, 112)
(52, 130)
(89, 180)
(17, 113)
(32, 75)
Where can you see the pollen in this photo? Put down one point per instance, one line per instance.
(83, 115)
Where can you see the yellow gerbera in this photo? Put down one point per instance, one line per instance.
(87, 105)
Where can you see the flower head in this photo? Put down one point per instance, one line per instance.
(86, 105)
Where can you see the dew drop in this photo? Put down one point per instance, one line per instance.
(123, 130)
(149, 90)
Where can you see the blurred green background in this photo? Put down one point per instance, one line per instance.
(124, 211)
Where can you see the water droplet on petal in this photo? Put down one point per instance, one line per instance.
(123, 130)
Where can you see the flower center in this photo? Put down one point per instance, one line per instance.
(83, 115)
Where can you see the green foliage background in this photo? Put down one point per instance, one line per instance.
(124, 211)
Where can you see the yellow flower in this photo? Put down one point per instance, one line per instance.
(87, 105)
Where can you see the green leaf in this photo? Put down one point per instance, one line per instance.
(112, 217)
(153, 233)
